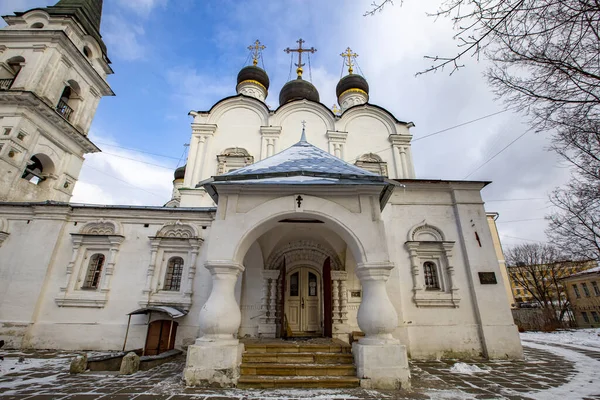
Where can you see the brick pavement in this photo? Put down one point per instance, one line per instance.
(540, 370)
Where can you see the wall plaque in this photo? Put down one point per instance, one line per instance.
(487, 278)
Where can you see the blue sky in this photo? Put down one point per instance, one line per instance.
(173, 56)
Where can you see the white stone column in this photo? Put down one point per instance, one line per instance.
(152, 266)
(338, 281)
(269, 140)
(379, 357)
(268, 321)
(201, 134)
(402, 158)
(216, 355)
(337, 141)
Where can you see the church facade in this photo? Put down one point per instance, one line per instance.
(269, 232)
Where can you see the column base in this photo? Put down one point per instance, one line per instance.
(267, 330)
(382, 366)
(215, 364)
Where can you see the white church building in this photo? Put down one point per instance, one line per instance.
(269, 232)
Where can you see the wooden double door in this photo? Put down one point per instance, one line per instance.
(303, 301)
(161, 337)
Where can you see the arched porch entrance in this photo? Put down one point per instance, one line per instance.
(304, 283)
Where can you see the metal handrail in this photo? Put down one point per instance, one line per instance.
(63, 109)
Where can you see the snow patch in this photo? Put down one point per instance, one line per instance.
(463, 368)
(11, 365)
(577, 337)
(580, 385)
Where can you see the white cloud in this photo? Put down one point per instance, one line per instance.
(142, 7)
(123, 38)
(195, 89)
(116, 179)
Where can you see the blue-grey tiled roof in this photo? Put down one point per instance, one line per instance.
(301, 159)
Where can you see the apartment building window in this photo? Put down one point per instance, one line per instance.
(596, 288)
(576, 290)
(585, 317)
(595, 316)
(585, 289)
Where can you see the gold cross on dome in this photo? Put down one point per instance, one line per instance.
(300, 50)
(348, 57)
(335, 109)
(256, 50)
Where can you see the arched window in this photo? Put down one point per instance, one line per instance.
(92, 278)
(37, 25)
(431, 277)
(9, 72)
(87, 52)
(68, 97)
(38, 168)
(174, 272)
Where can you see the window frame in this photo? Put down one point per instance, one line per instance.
(596, 288)
(93, 275)
(168, 284)
(585, 317)
(586, 291)
(431, 273)
(576, 291)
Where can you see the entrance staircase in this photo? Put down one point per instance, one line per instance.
(314, 363)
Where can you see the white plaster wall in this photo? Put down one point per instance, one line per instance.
(483, 309)
(32, 274)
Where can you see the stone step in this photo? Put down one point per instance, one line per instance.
(323, 382)
(284, 347)
(298, 358)
(273, 369)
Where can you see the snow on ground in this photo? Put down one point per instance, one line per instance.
(463, 368)
(12, 364)
(580, 385)
(577, 337)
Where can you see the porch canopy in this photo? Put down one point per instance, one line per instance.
(173, 312)
(301, 164)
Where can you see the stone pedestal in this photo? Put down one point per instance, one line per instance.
(213, 363)
(216, 356)
(383, 366)
(381, 360)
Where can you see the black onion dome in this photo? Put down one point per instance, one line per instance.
(180, 172)
(296, 90)
(253, 73)
(351, 81)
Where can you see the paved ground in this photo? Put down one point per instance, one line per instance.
(549, 371)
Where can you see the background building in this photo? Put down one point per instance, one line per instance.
(583, 291)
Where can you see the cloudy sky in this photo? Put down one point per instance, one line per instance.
(173, 56)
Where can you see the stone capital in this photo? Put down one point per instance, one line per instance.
(337, 136)
(270, 273)
(271, 131)
(224, 267)
(339, 275)
(203, 129)
(374, 270)
(400, 140)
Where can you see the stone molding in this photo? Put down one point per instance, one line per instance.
(437, 250)
(173, 239)
(99, 236)
(304, 250)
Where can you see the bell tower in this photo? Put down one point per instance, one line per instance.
(53, 69)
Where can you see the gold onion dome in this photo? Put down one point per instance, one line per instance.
(352, 82)
(180, 172)
(298, 89)
(252, 73)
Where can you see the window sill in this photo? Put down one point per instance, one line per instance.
(436, 298)
(87, 299)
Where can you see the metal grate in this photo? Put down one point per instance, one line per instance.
(174, 273)
(431, 278)
(92, 278)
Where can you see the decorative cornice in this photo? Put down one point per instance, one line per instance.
(252, 81)
(203, 129)
(270, 130)
(354, 90)
(400, 140)
(45, 111)
(337, 136)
